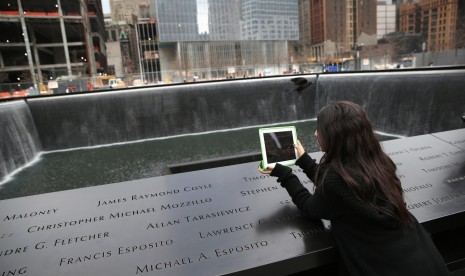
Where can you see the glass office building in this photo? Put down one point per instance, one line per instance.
(269, 20)
(227, 20)
(177, 20)
(224, 38)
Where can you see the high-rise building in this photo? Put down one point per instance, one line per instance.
(409, 18)
(436, 20)
(219, 38)
(123, 10)
(341, 26)
(386, 18)
(364, 20)
(269, 20)
(300, 49)
(139, 48)
(43, 40)
(122, 59)
(221, 22)
(304, 21)
(177, 20)
(148, 49)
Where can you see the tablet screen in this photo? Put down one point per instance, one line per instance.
(278, 145)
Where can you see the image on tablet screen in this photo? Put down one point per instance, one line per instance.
(279, 146)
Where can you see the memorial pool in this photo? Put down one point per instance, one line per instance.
(84, 167)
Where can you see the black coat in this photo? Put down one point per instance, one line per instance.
(370, 242)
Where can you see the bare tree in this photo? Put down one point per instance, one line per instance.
(299, 52)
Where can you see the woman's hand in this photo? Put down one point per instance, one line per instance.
(300, 149)
(267, 170)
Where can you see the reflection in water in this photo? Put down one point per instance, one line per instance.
(279, 146)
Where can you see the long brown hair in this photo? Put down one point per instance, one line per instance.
(352, 150)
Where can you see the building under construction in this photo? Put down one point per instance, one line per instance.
(43, 40)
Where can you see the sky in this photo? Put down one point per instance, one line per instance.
(202, 16)
(106, 6)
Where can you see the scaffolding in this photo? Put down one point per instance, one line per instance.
(43, 40)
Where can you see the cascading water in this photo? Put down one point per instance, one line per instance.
(406, 103)
(19, 141)
(84, 120)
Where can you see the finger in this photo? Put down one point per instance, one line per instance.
(265, 171)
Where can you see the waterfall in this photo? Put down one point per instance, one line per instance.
(84, 120)
(19, 140)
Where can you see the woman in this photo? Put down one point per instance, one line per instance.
(358, 191)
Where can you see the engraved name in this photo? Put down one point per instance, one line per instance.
(449, 197)
(438, 168)
(437, 200)
(85, 258)
(14, 251)
(111, 201)
(40, 228)
(308, 233)
(30, 214)
(417, 205)
(240, 248)
(144, 247)
(162, 224)
(169, 206)
(197, 188)
(430, 157)
(258, 191)
(164, 265)
(457, 142)
(154, 195)
(396, 152)
(122, 250)
(16, 271)
(418, 187)
(441, 155)
(80, 239)
(280, 220)
(456, 152)
(217, 214)
(136, 197)
(412, 149)
(228, 230)
(255, 178)
(132, 213)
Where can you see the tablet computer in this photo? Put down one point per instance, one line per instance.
(277, 144)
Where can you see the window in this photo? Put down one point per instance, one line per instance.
(183, 35)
